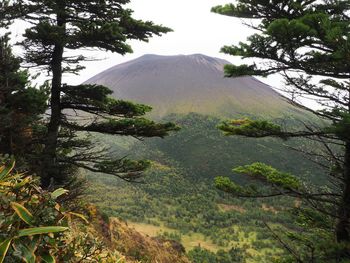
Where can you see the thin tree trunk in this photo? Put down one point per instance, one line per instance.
(342, 227)
(50, 170)
(343, 224)
(49, 167)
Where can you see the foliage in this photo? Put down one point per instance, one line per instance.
(308, 43)
(55, 28)
(35, 227)
(31, 221)
(21, 108)
(201, 255)
(269, 174)
(249, 128)
(266, 174)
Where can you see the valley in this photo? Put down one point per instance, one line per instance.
(177, 198)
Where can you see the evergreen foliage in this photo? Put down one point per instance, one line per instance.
(21, 109)
(57, 27)
(201, 255)
(250, 128)
(308, 43)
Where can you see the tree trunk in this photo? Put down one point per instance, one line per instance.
(50, 170)
(49, 167)
(342, 228)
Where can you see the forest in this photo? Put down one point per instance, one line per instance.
(181, 158)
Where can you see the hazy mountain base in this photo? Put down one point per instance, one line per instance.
(179, 199)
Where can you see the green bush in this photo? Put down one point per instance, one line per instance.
(34, 227)
(31, 222)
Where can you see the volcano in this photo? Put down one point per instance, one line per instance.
(185, 84)
(193, 92)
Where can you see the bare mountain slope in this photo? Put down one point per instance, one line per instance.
(194, 83)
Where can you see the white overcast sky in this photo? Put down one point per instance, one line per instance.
(196, 30)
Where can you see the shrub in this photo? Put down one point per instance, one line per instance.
(34, 227)
(31, 222)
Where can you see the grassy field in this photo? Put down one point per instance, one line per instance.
(189, 241)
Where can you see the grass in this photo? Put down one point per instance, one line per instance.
(189, 241)
(192, 240)
(150, 230)
(197, 239)
(225, 208)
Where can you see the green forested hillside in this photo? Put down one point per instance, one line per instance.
(178, 197)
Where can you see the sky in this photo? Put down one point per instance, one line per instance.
(196, 30)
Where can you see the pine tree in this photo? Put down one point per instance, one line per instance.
(307, 42)
(58, 26)
(21, 109)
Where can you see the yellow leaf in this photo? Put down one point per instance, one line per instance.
(80, 216)
(4, 246)
(5, 170)
(22, 212)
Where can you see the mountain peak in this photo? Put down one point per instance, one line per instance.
(202, 56)
(193, 57)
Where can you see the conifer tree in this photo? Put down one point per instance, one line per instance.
(21, 108)
(58, 26)
(307, 42)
